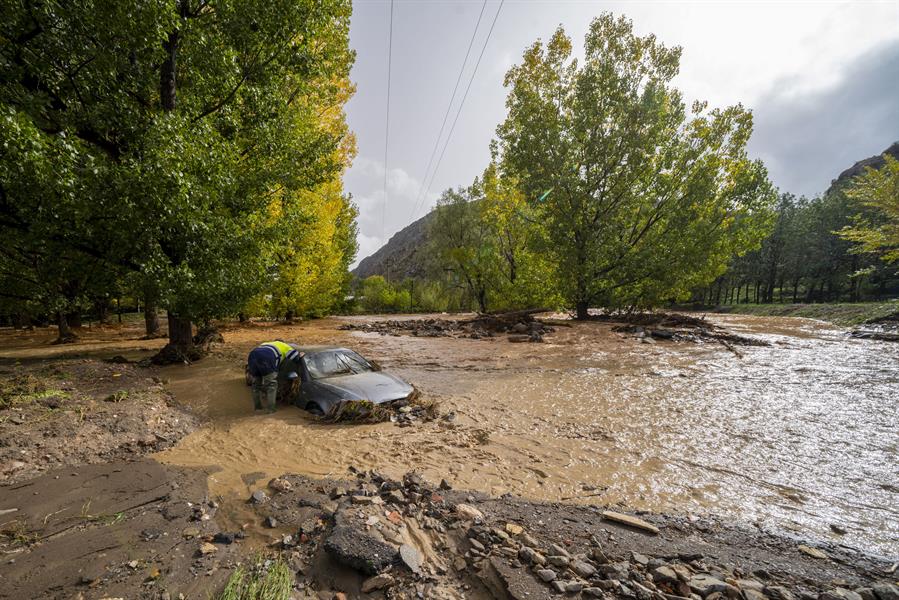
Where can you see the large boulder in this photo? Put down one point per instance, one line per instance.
(357, 549)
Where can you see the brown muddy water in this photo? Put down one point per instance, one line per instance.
(792, 437)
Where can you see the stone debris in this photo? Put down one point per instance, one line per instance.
(378, 582)
(468, 512)
(630, 520)
(412, 539)
(359, 550)
(520, 325)
(813, 552)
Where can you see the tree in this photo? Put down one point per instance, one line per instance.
(878, 191)
(153, 137)
(642, 200)
(462, 241)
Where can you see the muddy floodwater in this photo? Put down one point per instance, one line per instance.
(796, 437)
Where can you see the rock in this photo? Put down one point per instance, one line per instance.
(813, 552)
(546, 575)
(258, 497)
(513, 529)
(337, 492)
(529, 540)
(206, 548)
(750, 584)
(640, 559)
(839, 594)
(618, 570)
(378, 582)
(357, 549)
(631, 521)
(593, 592)
(866, 593)
(469, 512)
(517, 339)
(445, 485)
(751, 594)
(190, 532)
(557, 550)
(529, 556)
(573, 587)
(270, 522)
(778, 592)
(559, 586)
(585, 570)
(885, 591)
(599, 556)
(477, 545)
(558, 561)
(369, 500)
(280, 485)
(396, 496)
(664, 574)
(223, 538)
(704, 584)
(838, 529)
(411, 558)
(460, 563)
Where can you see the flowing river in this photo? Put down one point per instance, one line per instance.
(796, 436)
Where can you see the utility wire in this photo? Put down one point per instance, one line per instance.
(462, 103)
(387, 118)
(449, 107)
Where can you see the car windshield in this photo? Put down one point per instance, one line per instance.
(329, 363)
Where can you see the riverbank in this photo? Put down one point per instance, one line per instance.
(150, 531)
(843, 314)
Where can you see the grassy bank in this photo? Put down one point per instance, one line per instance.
(845, 314)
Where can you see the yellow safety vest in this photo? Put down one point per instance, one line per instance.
(283, 350)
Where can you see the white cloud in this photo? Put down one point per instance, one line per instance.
(378, 220)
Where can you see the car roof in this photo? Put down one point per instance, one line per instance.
(315, 349)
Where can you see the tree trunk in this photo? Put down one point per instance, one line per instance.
(66, 336)
(289, 316)
(180, 348)
(242, 317)
(583, 310)
(102, 309)
(482, 300)
(151, 320)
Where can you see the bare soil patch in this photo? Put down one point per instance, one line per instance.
(83, 412)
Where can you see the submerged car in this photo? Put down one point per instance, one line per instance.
(331, 375)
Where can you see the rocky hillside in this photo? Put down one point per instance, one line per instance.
(875, 162)
(403, 254)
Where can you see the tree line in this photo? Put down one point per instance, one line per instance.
(606, 190)
(841, 246)
(186, 155)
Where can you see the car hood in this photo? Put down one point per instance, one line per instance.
(375, 386)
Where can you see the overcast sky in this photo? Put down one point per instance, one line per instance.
(822, 79)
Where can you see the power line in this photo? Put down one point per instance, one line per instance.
(462, 103)
(448, 110)
(387, 117)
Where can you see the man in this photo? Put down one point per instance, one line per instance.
(264, 364)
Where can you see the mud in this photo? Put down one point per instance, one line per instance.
(751, 454)
(82, 411)
(794, 436)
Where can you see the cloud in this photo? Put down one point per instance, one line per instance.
(807, 139)
(379, 221)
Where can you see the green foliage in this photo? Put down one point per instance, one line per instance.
(152, 139)
(266, 580)
(646, 199)
(878, 191)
